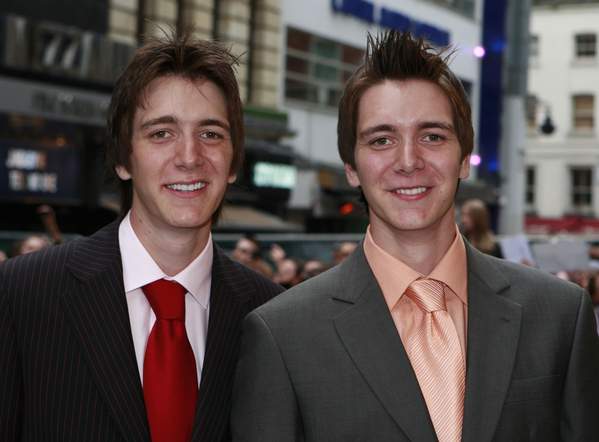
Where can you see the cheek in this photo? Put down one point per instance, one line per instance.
(220, 158)
(373, 168)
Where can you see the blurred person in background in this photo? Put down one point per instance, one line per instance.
(48, 217)
(288, 273)
(36, 242)
(476, 227)
(245, 250)
(312, 268)
(133, 333)
(343, 250)
(248, 252)
(30, 244)
(3, 256)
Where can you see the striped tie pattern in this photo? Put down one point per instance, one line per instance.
(434, 350)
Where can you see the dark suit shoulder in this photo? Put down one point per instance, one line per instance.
(48, 263)
(46, 272)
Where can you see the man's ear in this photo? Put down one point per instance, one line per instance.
(351, 175)
(465, 168)
(232, 178)
(122, 172)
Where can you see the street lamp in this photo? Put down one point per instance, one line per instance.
(547, 127)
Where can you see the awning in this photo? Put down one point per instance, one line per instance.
(247, 219)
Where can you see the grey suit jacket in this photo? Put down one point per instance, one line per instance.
(324, 362)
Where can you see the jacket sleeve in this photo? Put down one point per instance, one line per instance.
(11, 392)
(580, 410)
(264, 403)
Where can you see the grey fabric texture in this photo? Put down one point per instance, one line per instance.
(324, 362)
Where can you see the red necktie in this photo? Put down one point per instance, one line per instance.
(170, 381)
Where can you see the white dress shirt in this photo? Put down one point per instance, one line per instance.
(140, 269)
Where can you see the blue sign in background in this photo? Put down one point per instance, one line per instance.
(388, 18)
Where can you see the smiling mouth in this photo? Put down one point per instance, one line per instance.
(187, 187)
(410, 191)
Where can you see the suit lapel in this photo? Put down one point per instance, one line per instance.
(96, 307)
(370, 337)
(493, 332)
(228, 305)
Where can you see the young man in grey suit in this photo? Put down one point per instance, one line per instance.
(133, 333)
(416, 336)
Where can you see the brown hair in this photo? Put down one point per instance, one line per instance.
(170, 56)
(398, 55)
(480, 235)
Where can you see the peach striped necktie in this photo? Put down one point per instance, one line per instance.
(434, 350)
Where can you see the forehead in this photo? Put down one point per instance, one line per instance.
(177, 93)
(403, 101)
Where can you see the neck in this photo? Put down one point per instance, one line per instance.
(172, 249)
(420, 250)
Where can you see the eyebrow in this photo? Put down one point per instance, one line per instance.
(390, 128)
(374, 129)
(437, 125)
(169, 119)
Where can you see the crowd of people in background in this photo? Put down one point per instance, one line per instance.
(288, 271)
(475, 225)
(285, 270)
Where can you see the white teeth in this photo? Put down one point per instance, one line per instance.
(411, 191)
(186, 187)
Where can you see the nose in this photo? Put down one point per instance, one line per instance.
(188, 152)
(408, 158)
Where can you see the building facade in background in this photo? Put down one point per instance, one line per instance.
(322, 43)
(562, 150)
(58, 62)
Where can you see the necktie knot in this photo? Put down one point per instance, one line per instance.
(167, 299)
(428, 294)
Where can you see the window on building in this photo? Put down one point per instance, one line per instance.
(586, 45)
(533, 46)
(583, 107)
(317, 68)
(581, 185)
(530, 187)
(532, 104)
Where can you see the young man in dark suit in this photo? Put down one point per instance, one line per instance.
(417, 336)
(133, 333)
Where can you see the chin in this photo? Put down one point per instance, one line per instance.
(189, 222)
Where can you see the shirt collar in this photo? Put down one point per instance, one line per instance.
(139, 268)
(394, 276)
(452, 269)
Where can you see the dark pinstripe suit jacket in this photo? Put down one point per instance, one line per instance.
(67, 362)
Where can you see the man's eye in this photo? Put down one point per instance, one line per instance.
(382, 141)
(211, 135)
(160, 134)
(434, 138)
